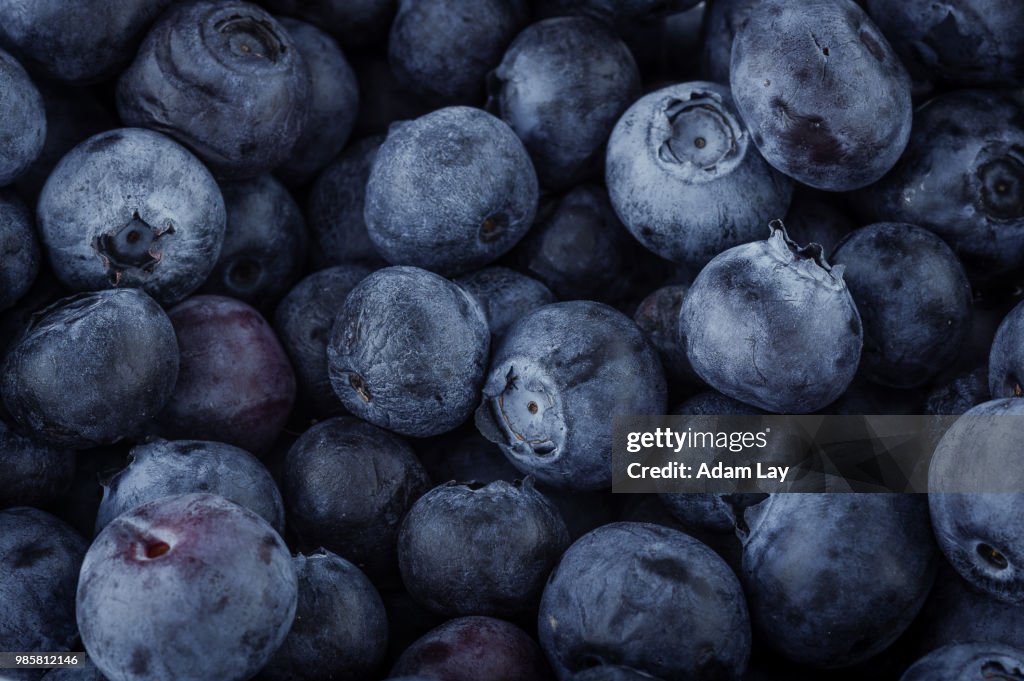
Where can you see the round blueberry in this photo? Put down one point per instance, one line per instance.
(1006, 357)
(968, 662)
(23, 118)
(504, 295)
(32, 473)
(20, 248)
(408, 352)
(450, 191)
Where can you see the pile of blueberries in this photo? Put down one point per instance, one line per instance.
(315, 316)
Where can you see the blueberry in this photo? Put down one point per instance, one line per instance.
(132, 208)
(185, 587)
(619, 10)
(579, 249)
(340, 629)
(347, 485)
(1006, 358)
(408, 352)
(825, 97)
(264, 247)
(721, 21)
(223, 78)
(473, 648)
(554, 380)
(125, 362)
(658, 317)
(165, 468)
(646, 597)
(966, 43)
(356, 23)
(32, 473)
(561, 85)
(833, 579)
(504, 295)
(39, 561)
(333, 103)
(913, 297)
(303, 322)
(334, 209)
(965, 390)
(77, 41)
(962, 177)
(475, 549)
(981, 533)
(22, 121)
(773, 325)
(450, 191)
(443, 49)
(968, 662)
(236, 385)
(684, 177)
(20, 248)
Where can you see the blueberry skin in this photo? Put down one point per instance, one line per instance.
(347, 486)
(685, 179)
(132, 208)
(721, 21)
(980, 533)
(166, 468)
(334, 210)
(450, 191)
(474, 549)
(340, 631)
(443, 49)
(611, 673)
(965, 390)
(505, 295)
(646, 597)
(824, 95)
(579, 249)
(408, 352)
(224, 79)
(187, 587)
(555, 379)
(833, 579)
(967, 662)
(657, 315)
(20, 248)
(39, 562)
(962, 177)
(355, 23)
(82, 41)
(22, 121)
(913, 297)
(473, 648)
(32, 473)
(303, 322)
(795, 355)
(561, 85)
(333, 103)
(236, 385)
(264, 249)
(1006, 358)
(964, 42)
(125, 365)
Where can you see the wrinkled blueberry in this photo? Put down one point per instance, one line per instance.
(646, 597)
(913, 298)
(408, 352)
(166, 468)
(773, 325)
(303, 322)
(825, 97)
(450, 191)
(186, 587)
(554, 380)
(505, 295)
(340, 630)
(684, 177)
(476, 549)
(91, 369)
(223, 78)
(347, 485)
(236, 385)
(132, 208)
(561, 85)
(264, 247)
(22, 120)
(333, 103)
